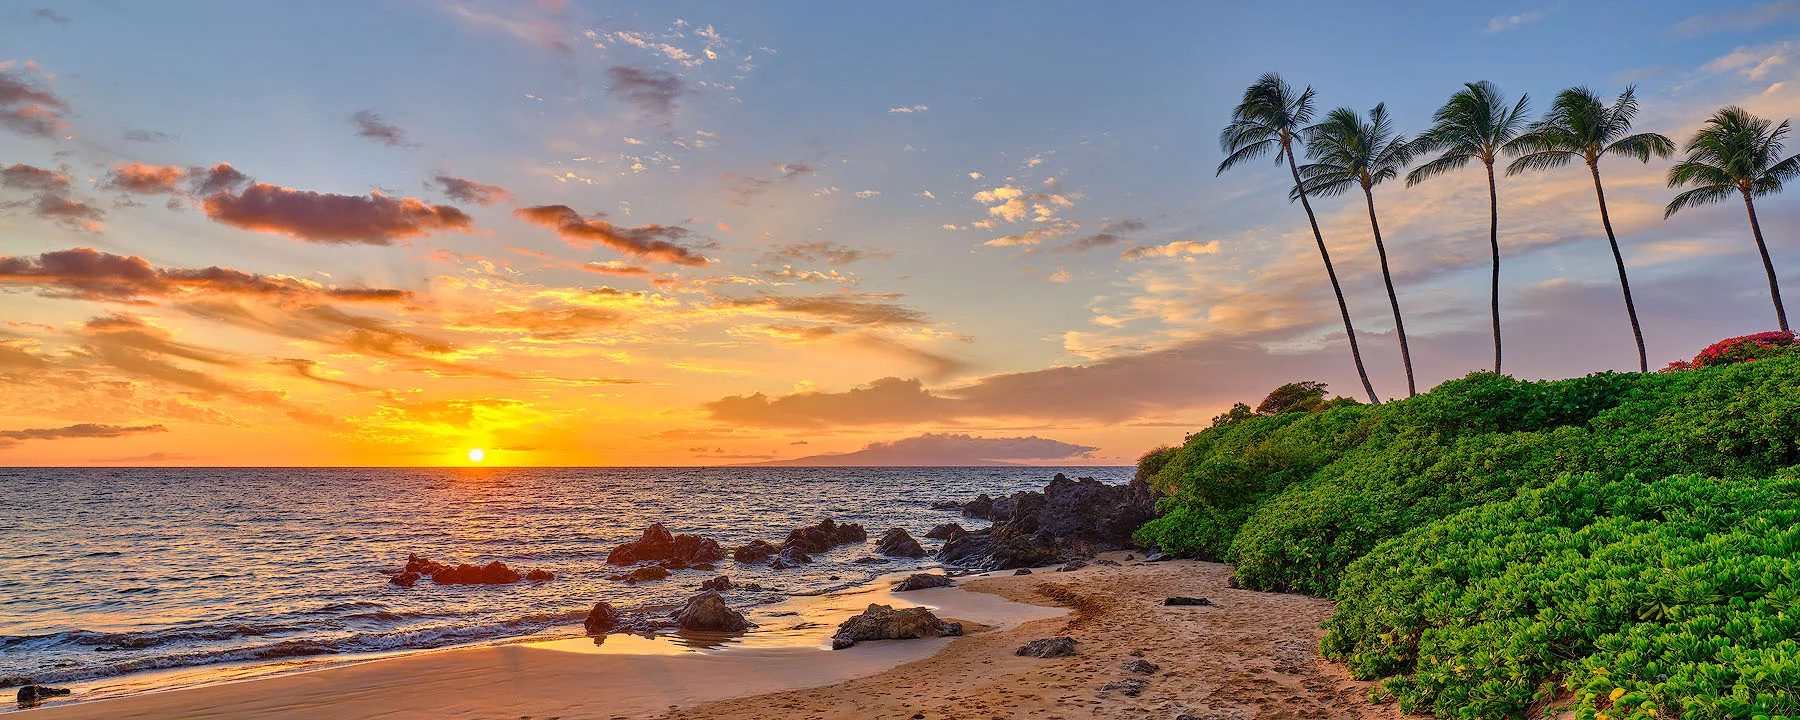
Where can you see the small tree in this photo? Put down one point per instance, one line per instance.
(1303, 396)
(1238, 413)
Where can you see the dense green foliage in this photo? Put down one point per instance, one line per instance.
(1494, 540)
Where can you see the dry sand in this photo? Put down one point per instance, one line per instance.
(1251, 655)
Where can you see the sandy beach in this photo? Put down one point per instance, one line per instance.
(1249, 655)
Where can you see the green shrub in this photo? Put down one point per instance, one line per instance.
(1675, 598)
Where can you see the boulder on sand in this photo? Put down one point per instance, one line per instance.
(756, 550)
(946, 531)
(657, 545)
(883, 622)
(33, 694)
(920, 581)
(1048, 648)
(601, 620)
(708, 611)
(898, 543)
(824, 536)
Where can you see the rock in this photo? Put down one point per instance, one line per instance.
(1070, 519)
(422, 566)
(1137, 653)
(1142, 667)
(656, 544)
(793, 556)
(1186, 601)
(980, 507)
(824, 536)
(719, 584)
(883, 622)
(494, 573)
(756, 550)
(946, 531)
(708, 611)
(1156, 556)
(405, 579)
(1022, 571)
(1129, 687)
(946, 505)
(869, 560)
(1072, 566)
(601, 620)
(34, 694)
(1048, 648)
(920, 581)
(709, 567)
(779, 564)
(1108, 563)
(540, 576)
(672, 564)
(1130, 557)
(646, 573)
(898, 543)
(1232, 583)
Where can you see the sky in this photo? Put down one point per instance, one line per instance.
(597, 233)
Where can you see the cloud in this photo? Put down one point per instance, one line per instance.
(945, 449)
(25, 106)
(148, 136)
(1111, 233)
(369, 124)
(51, 198)
(653, 92)
(1747, 19)
(862, 310)
(48, 15)
(826, 252)
(9, 438)
(469, 191)
(218, 178)
(328, 218)
(1178, 248)
(885, 401)
(1035, 236)
(88, 274)
(909, 109)
(1752, 62)
(651, 242)
(140, 179)
(1504, 23)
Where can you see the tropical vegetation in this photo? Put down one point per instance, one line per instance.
(1736, 152)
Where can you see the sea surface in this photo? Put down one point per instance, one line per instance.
(111, 572)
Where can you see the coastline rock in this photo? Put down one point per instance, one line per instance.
(946, 531)
(708, 611)
(920, 581)
(899, 543)
(1069, 520)
(494, 573)
(1022, 571)
(1129, 687)
(1072, 566)
(1108, 563)
(719, 584)
(656, 544)
(869, 560)
(1048, 648)
(979, 507)
(756, 550)
(601, 620)
(1177, 601)
(405, 579)
(1142, 667)
(789, 557)
(646, 573)
(33, 694)
(540, 576)
(824, 536)
(883, 622)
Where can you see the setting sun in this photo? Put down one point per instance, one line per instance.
(476, 454)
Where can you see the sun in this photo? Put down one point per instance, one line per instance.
(476, 454)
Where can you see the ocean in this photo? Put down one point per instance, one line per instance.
(113, 572)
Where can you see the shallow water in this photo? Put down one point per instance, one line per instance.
(109, 572)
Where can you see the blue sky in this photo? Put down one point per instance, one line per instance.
(879, 193)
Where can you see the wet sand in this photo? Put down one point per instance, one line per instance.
(1251, 655)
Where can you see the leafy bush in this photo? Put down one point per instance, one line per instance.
(1303, 396)
(1747, 348)
(1674, 598)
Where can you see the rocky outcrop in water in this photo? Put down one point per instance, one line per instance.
(1069, 520)
(824, 536)
(946, 531)
(601, 620)
(899, 543)
(920, 581)
(883, 622)
(658, 545)
(719, 584)
(540, 576)
(494, 573)
(754, 551)
(708, 611)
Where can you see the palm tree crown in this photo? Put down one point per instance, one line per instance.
(1269, 119)
(1733, 152)
(1476, 124)
(1348, 152)
(1580, 126)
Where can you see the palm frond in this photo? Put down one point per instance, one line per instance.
(1642, 146)
(1448, 162)
(1246, 153)
(1703, 195)
(1540, 160)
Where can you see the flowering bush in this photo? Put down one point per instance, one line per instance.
(1677, 366)
(1731, 351)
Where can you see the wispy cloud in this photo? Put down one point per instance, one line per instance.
(1746, 19)
(1504, 23)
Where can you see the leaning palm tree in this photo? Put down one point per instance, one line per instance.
(1580, 125)
(1347, 151)
(1476, 124)
(1738, 151)
(1272, 117)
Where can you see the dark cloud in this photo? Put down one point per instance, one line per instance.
(469, 191)
(865, 310)
(9, 438)
(942, 449)
(51, 197)
(216, 179)
(140, 179)
(653, 92)
(88, 274)
(1111, 233)
(374, 219)
(27, 108)
(148, 136)
(651, 242)
(48, 15)
(369, 124)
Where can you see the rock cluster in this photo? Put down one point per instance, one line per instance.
(824, 536)
(883, 622)
(920, 581)
(658, 545)
(720, 584)
(754, 551)
(898, 543)
(494, 573)
(1070, 519)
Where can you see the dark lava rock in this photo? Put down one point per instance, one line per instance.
(1070, 519)
(494, 573)
(979, 508)
(601, 620)
(824, 536)
(1186, 601)
(883, 622)
(1108, 563)
(33, 694)
(709, 567)
(672, 564)
(1156, 556)
(405, 579)
(946, 531)
(946, 505)
(720, 584)
(540, 576)
(1142, 667)
(793, 556)
(708, 611)
(869, 560)
(1048, 648)
(1129, 687)
(643, 574)
(920, 581)
(1022, 571)
(658, 545)
(898, 543)
(756, 550)
(779, 564)
(1072, 566)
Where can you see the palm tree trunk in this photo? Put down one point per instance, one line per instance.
(1618, 259)
(1393, 299)
(1494, 242)
(1768, 267)
(1343, 307)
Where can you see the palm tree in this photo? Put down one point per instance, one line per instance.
(1735, 150)
(1476, 124)
(1347, 151)
(1580, 125)
(1270, 118)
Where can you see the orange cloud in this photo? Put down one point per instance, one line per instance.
(469, 191)
(88, 274)
(651, 242)
(141, 179)
(375, 219)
